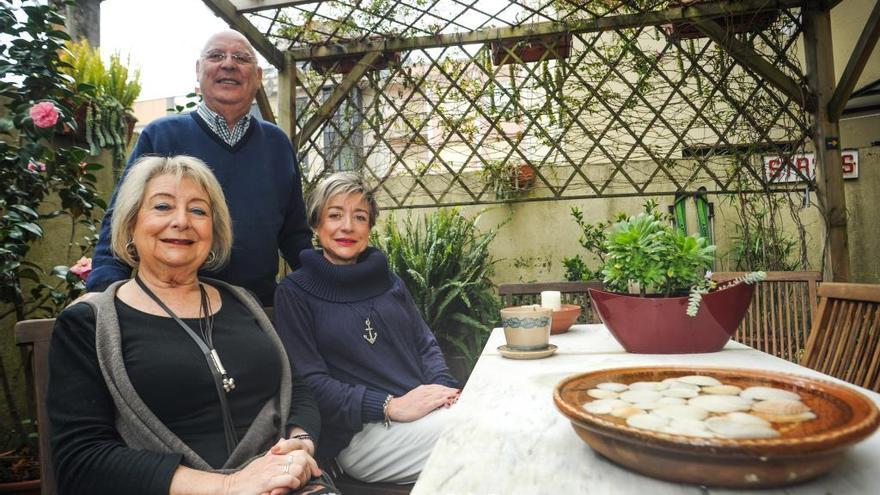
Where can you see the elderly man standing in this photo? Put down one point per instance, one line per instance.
(253, 160)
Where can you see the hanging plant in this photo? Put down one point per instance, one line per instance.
(103, 96)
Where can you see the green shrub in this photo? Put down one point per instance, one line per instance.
(444, 262)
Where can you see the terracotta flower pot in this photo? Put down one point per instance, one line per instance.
(522, 178)
(660, 325)
(532, 50)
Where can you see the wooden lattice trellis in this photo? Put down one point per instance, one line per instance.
(436, 103)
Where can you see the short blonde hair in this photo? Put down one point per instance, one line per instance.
(130, 199)
(339, 183)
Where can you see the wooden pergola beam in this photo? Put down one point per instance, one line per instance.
(749, 58)
(857, 61)
(225, 10)
(245, 6)
(328, 108)
(264, 106)
(677, 14)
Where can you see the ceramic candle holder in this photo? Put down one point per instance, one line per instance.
(527, 328)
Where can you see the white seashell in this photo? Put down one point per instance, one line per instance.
(671, 401)
(701, 380)
(748, 419)
(688, 427)
(604, 406)
(780, 407)
(721, 403)
(612, 386)
(655, 386)
(640, 396)
(678, 384)
(722, 390)
(768, 393)
(787, 418)
(626, 411)
(598, 393)
(681, 412)
(670, 380)
(681, 393)
(729, 428)
(647, 421)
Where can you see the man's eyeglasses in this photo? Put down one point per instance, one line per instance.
(239, 58)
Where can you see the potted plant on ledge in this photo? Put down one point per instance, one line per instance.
(507, 178)
(661, 299)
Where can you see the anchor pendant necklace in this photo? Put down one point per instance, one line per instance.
(370, 334)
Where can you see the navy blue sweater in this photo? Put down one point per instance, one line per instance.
(262, 187)
(319, 313)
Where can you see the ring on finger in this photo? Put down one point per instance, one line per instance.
(286, 469)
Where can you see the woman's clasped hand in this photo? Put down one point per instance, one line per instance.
(420, 401)
(273, 474)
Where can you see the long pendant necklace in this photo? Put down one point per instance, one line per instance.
(208, 335)
(206, 328)
(370, 334)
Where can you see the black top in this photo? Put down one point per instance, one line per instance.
(171, 375)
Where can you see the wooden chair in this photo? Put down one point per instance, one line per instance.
(572, 293)
(38, 334)
(783, 308)
(845, 339)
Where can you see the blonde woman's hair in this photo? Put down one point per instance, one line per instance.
(339, 183)
(130, 199)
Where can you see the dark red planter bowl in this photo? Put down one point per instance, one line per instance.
(660, 325)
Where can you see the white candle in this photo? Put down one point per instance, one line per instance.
(551, 299)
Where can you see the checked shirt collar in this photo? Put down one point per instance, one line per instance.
(221, 128)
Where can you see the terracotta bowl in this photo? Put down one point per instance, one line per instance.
(803, 450)
(564, 318)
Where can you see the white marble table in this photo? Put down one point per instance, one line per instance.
(511, 439)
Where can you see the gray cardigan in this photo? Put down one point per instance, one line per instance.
(141, 429)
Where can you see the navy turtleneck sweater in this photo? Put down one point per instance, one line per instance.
(320, 313)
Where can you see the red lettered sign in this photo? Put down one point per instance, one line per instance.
(795, 167)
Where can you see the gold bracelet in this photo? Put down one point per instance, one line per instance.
(387, 421)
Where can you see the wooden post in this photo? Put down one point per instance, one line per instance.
(287, 96)
(264, 105)
(826, 140)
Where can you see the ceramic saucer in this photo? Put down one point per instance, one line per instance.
(517, 354)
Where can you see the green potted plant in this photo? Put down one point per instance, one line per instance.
(103, 96)
(660, 297)
(445, 263)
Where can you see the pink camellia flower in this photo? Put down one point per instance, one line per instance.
(82, 268)
(36, 166)
(44, 114)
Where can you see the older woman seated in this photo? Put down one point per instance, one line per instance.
(357, 337)
(169, 383)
